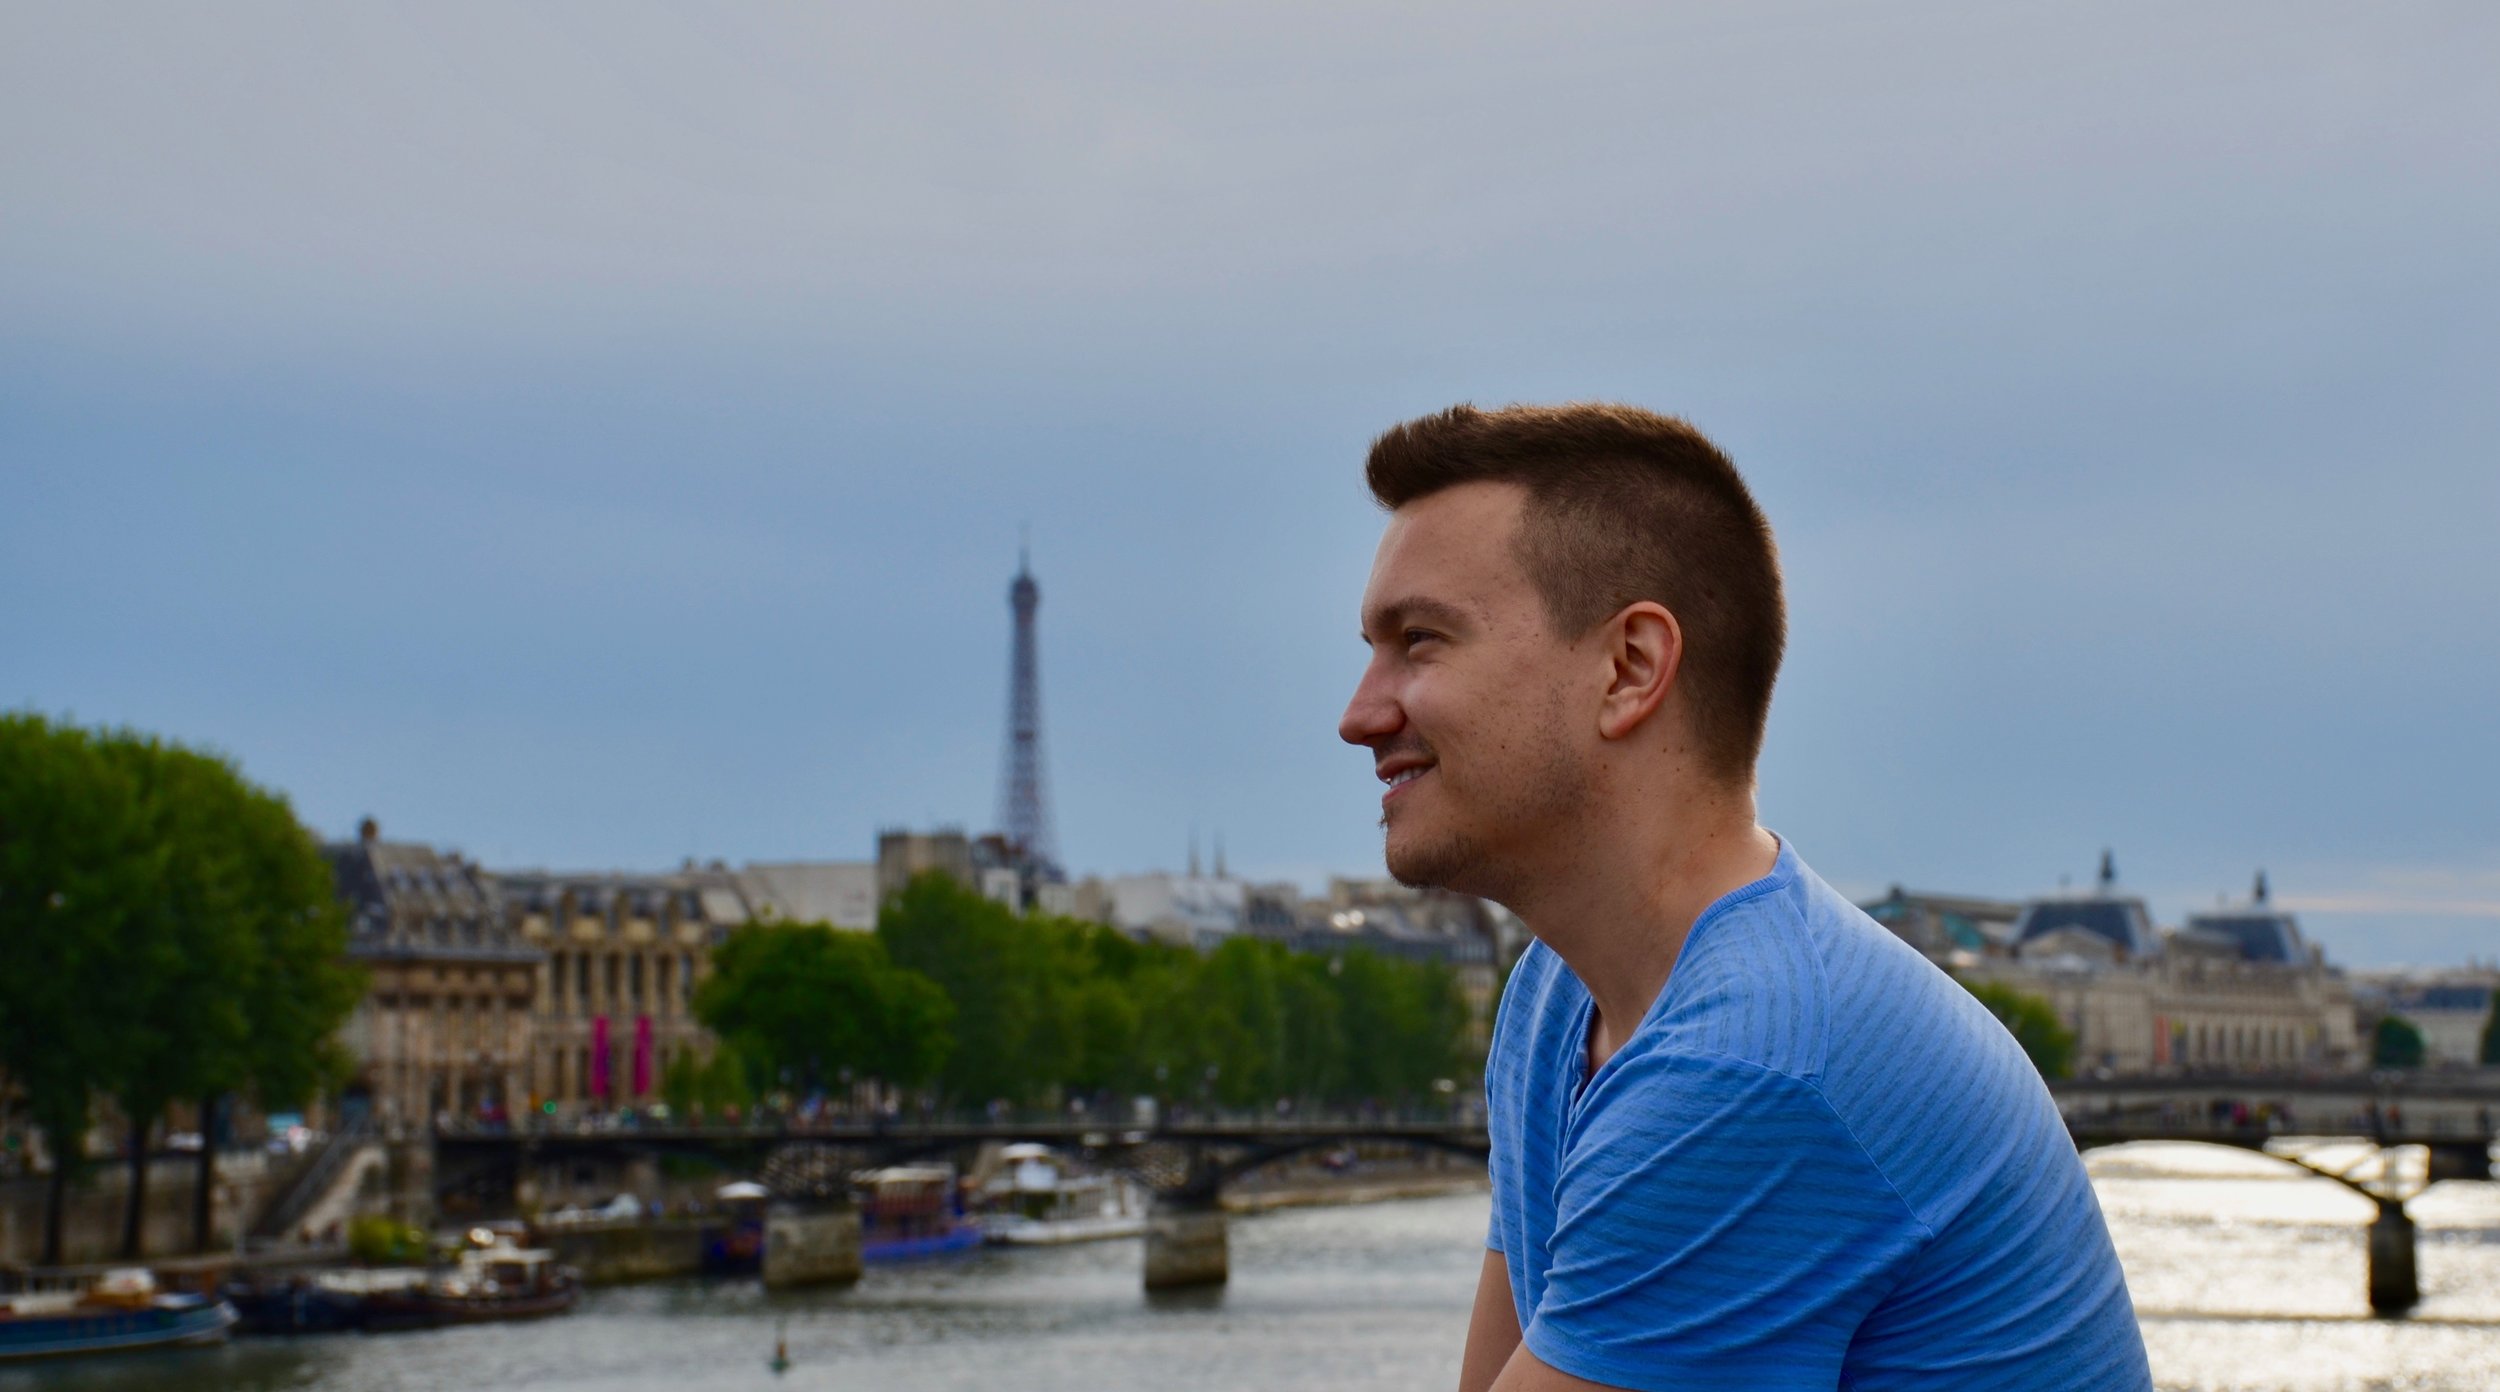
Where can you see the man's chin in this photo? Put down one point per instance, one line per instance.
(1428, 863)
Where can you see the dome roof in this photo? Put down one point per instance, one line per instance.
(2123, 921)
(2262, 934)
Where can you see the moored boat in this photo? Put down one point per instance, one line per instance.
(318, 1303)
(1037, 1200)
(123, 1312)
(908, 1212)
(497, 1282)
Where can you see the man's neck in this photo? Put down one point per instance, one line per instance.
(1619, 915)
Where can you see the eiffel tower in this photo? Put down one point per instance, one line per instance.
(1023, 805)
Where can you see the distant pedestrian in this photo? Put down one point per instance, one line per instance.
(1743, 1136)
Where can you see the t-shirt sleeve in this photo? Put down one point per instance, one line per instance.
(1716, 1226)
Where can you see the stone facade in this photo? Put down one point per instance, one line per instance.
(2218, 995)
(444, 1029)
(621, 956)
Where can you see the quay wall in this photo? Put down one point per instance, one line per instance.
(91, 1217)
(608, 1253)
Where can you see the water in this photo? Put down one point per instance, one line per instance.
(2247, 1276)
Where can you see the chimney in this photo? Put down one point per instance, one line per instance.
(368, 831)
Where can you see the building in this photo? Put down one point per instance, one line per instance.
(903, 854)
(843, 893)
(446, 1027)
(2449, 1006)
(1193, 910)
(2236, 989)
(622, 956)
(1949, 928)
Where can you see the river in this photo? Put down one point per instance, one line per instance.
(2246, 1275)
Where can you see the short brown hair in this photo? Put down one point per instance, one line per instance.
(1623, 505)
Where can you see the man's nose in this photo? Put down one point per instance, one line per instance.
(1372, 714)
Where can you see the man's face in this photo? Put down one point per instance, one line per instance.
(1468, 701)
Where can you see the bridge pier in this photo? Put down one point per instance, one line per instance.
(2393, 1287)
(1186, 1244)
(410, 1174)
(2460, 1159)
(811, 1245)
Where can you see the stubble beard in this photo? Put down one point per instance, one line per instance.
(1471, 861)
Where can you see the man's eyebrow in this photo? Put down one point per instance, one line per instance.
(1397, 613)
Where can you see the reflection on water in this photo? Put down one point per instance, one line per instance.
(2248, 1276)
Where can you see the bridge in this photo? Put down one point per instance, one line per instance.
(2309, 1122)
(1186, 1164)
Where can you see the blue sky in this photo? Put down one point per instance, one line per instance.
(600, 435)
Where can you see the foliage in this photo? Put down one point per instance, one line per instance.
(383, 1241)
(2396, 1043)
(168, 932)
(76, 865)
(2034, 1024)
(2490, 1051)
(707, 1086)
(1008, 1025)
(802, 1003)
(1049, 1006)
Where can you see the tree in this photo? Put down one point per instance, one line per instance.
(2396, 1043)
(1044, 1004)
(714, 1085)
(801, 1002)
(235, 981)
(2490, 1051)
(294, 976)
(2034, 1024)
(76, 866)
(1010, 1039)
(167, 932)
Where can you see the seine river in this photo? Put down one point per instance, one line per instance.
(2246, 1275)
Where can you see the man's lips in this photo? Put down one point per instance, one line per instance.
(1403, 777)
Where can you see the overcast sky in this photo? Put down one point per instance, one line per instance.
(595, 435)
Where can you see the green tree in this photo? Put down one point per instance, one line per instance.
(800, 1002)
(167, 932)
(1402, 1024)
(1314, 1047)
(235, 981)
(712, 1085)
(1011, 1036)
(293, 974)
(77, 866)
(2034, 1024)
(2396, 1043)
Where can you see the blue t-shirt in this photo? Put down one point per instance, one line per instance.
(1816, 1163)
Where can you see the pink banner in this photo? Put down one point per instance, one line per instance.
(599, 1079)
(642, 1055)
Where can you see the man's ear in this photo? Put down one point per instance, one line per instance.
(1644, 647)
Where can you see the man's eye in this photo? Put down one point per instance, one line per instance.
(1419, 635)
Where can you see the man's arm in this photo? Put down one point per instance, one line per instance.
(1493, 1330)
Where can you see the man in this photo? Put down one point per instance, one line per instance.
(1743, 1137)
